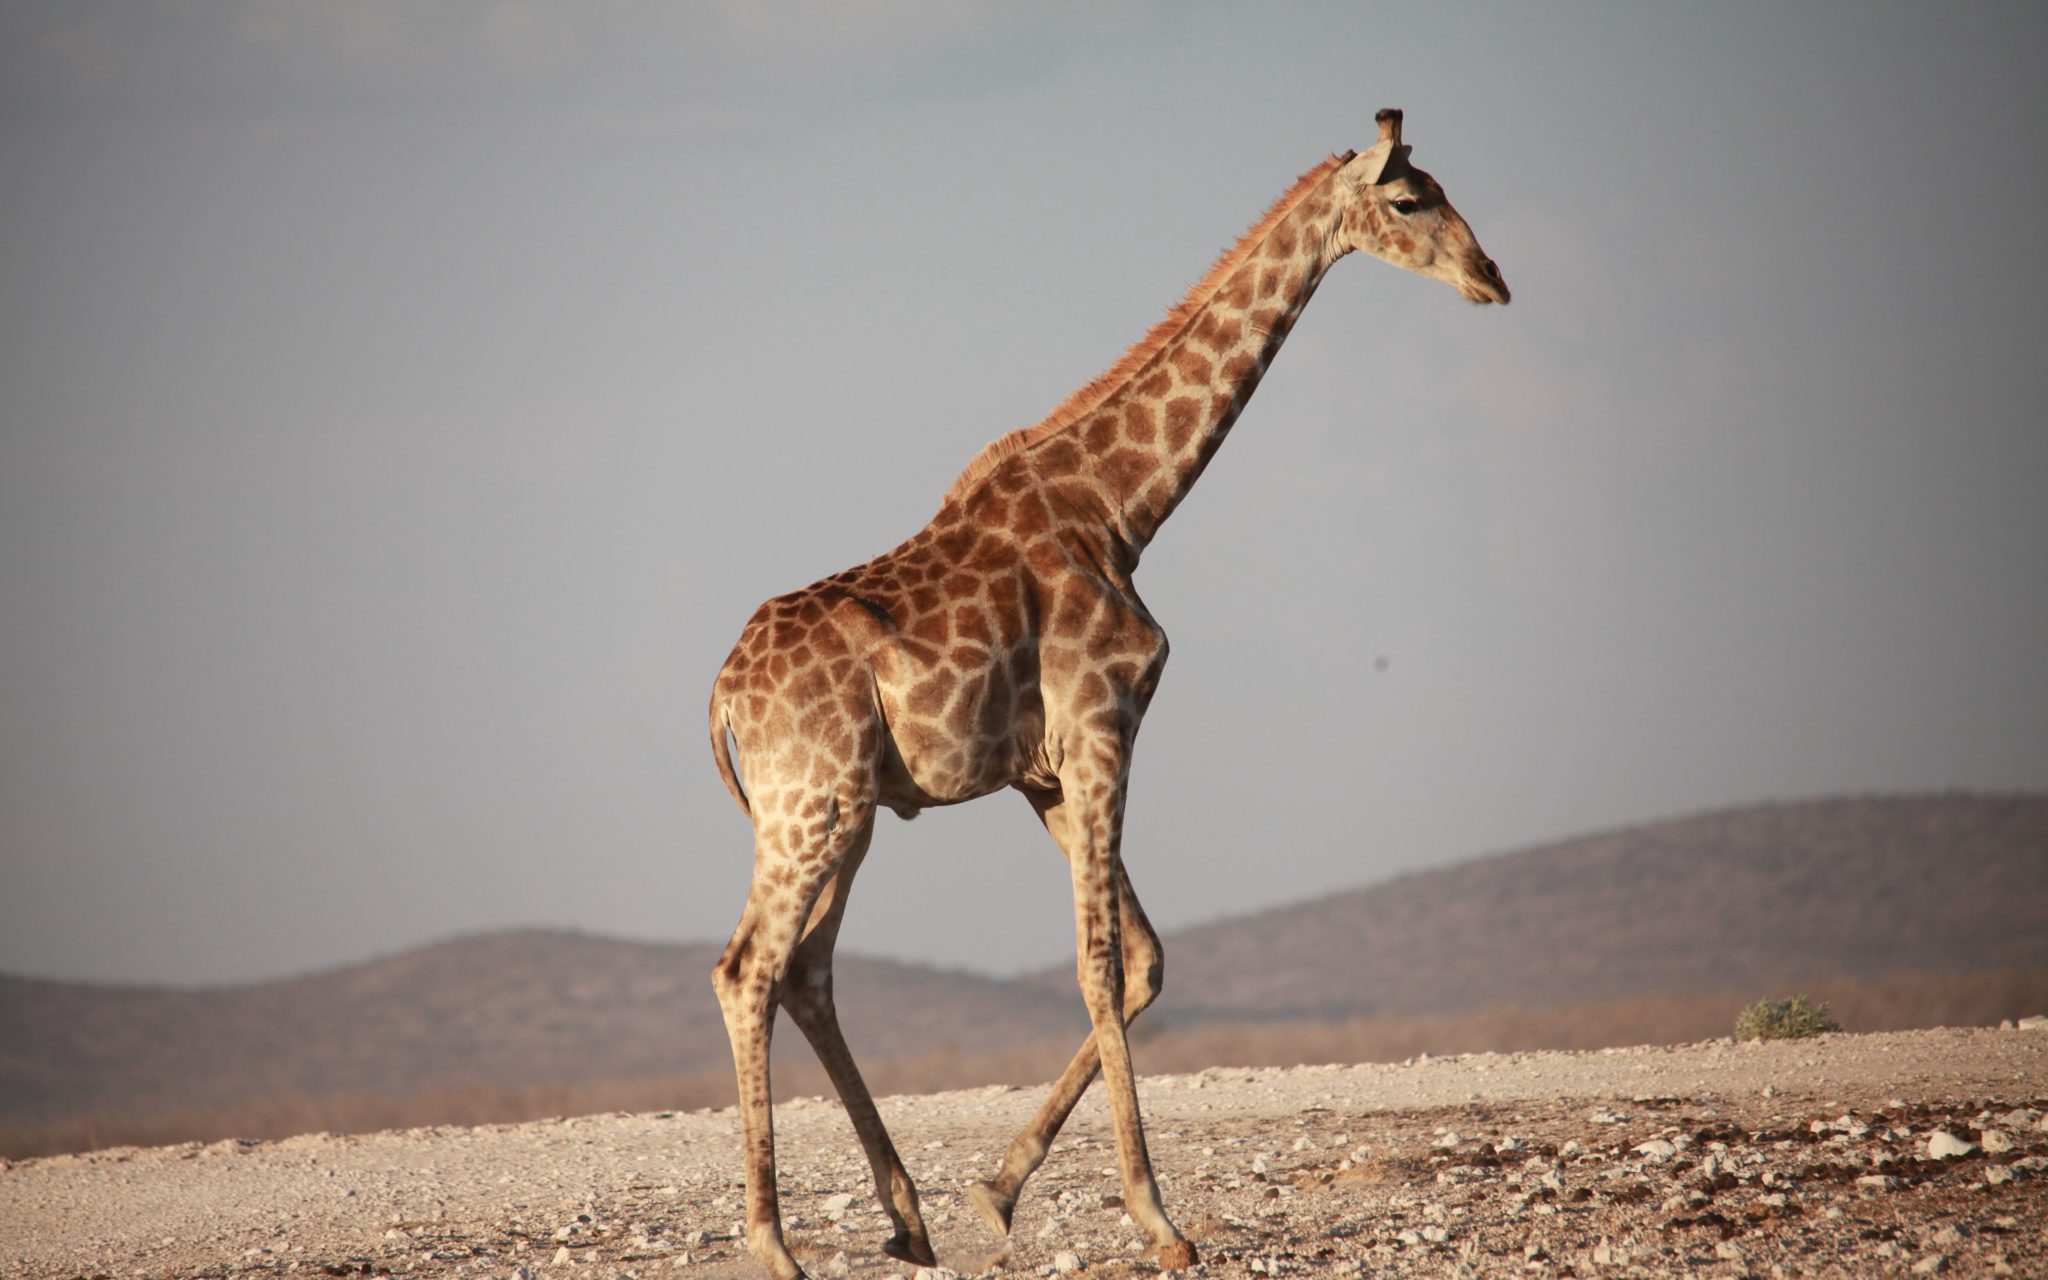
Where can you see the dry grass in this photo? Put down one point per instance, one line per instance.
(1887, 1004)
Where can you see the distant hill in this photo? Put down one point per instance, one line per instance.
(512, 1011)
(1750, 901)
(1746, 899)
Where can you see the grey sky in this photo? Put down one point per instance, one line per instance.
(402, 407)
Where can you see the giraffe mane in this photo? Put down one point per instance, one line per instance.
(1098, 389)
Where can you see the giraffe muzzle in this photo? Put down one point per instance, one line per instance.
(1484, 283)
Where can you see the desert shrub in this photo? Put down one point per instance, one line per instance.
(1791, 1019)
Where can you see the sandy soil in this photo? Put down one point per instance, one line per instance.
(1722, 1159)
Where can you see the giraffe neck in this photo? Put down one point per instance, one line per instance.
(1123, 451)
(1152, 438)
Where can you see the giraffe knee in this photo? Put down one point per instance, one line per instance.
(1144, 978)
(729, 974)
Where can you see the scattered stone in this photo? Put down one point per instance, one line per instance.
(1064, 1261)
(562, 1256)
(1997, 1175)
(1657, 1149)
(1451, 1138)
(1995, 1140)
(1943, 1145)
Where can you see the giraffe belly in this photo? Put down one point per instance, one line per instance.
(930, 761)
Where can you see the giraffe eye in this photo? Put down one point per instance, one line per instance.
(1405, 206)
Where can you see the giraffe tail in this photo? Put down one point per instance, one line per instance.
(721, 751)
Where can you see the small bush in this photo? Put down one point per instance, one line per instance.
(1792, 1019)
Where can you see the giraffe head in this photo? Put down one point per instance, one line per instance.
(1399, 214)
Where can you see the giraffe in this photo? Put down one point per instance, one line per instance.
(1003, 646)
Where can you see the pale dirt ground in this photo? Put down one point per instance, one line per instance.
(1456, 1166)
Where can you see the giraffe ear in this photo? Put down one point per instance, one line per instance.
(1381, 160)
(1371, 165)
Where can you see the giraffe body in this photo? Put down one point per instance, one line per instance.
(1004, 646)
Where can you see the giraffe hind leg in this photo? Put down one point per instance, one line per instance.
(807, 995)
(749, 980)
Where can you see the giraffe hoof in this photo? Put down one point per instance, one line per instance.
(905, 1248)
(1177, 1255)
(995, 1207)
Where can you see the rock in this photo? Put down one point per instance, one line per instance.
(1656, 1149)
(1932, 1264)
(1997, 1175)
(1948, 1237)
(1876, 1183)
(1995, 1140)
(1066, 1260)
(1435, 1234)
(1729, 1250)
(2039, 1022)
(937, 1273)
(1448, 1140)
(839, 1267)
(1943, 1145)
(836, 1205)
(562, 1256)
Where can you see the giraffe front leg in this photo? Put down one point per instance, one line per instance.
(996, 1199)
(1091, 842)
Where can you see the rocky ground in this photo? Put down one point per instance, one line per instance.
(1915, 1153)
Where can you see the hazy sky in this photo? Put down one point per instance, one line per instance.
(402, 407)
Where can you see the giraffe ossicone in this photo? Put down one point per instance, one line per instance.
(1003, 646)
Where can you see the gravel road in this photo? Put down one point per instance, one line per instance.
(1822, 1157)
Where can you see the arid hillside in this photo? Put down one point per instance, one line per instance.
(508, 1012)
(1909, 911)
(1746, 899)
